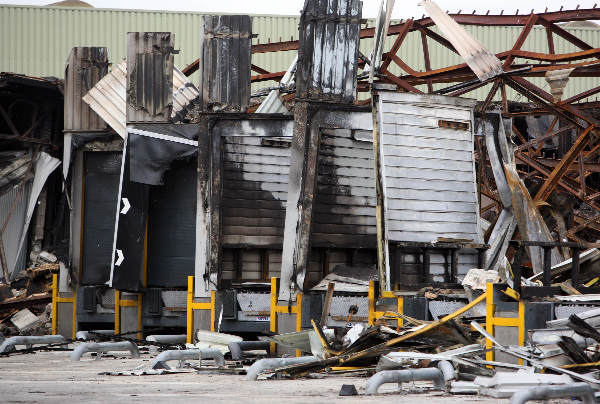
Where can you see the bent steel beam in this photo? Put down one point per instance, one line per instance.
(9, 344)
(160, 362)
(581, 390)
(406, 375)
(270, 364)
(236, 348)
(103, 347)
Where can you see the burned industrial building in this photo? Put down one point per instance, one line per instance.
(358, 216)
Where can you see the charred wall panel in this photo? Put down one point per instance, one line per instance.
(344, 211)
(328, 50)
(224, 68)
(85, 67)
(101, 185)
(149, 76)
(255, 176)
(172, 227)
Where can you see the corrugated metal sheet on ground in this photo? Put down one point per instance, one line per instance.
(107, 97)
(344, 208)
(255, 185)
(14, 229)
(429, 172)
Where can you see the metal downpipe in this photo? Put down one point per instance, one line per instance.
(160, 362)
(405, 375)
(236, 348)
(581, 390)
(9, 343)
(275, 363)
(103, 347)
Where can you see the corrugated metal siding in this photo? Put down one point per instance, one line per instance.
(36, 40)
(14, 229)
(328, 50)
(85, 67)
(429, 174)
(255, 185)
(344, 211)
(224, 67)
(149, 76)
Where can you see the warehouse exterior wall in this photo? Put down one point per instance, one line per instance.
(37, 40)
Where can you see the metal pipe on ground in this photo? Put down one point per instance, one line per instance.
(581, 390)
(447, 370)
(236, 348)
(405, 375)
(103, 347)
(160, 362)
(266, 364)
(167, 339)
(9, 343)
(87, 335)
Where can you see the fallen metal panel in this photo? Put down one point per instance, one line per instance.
(412, 155)
(107, 97)
(224, 69)
(149, 76)
(328, 50)
(44, 166)
(14, 228)
(85, 67)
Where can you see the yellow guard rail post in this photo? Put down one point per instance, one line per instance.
(275, 308)
(127, 303)
(373, 313)
(56, 299)
(191, 306)
(491, 321)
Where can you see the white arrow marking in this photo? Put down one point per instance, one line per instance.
(126, 206)
(120, 257)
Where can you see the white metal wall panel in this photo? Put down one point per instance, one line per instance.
(14, 229)
(429, 171)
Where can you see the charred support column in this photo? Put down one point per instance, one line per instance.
(85, 67)
(224, 71)
(326, 72)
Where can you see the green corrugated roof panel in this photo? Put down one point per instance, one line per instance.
(37, 40)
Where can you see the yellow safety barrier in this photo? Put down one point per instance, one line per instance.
(491, 321)
(56, 299)
(191, 306)
(127, 303)
(374, 314)
(275, 308)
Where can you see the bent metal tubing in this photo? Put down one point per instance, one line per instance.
(581, 390)
(266, 364)
(9, 343)
(405, 375)
(160, 362)
(237, 348)
(103, 347)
